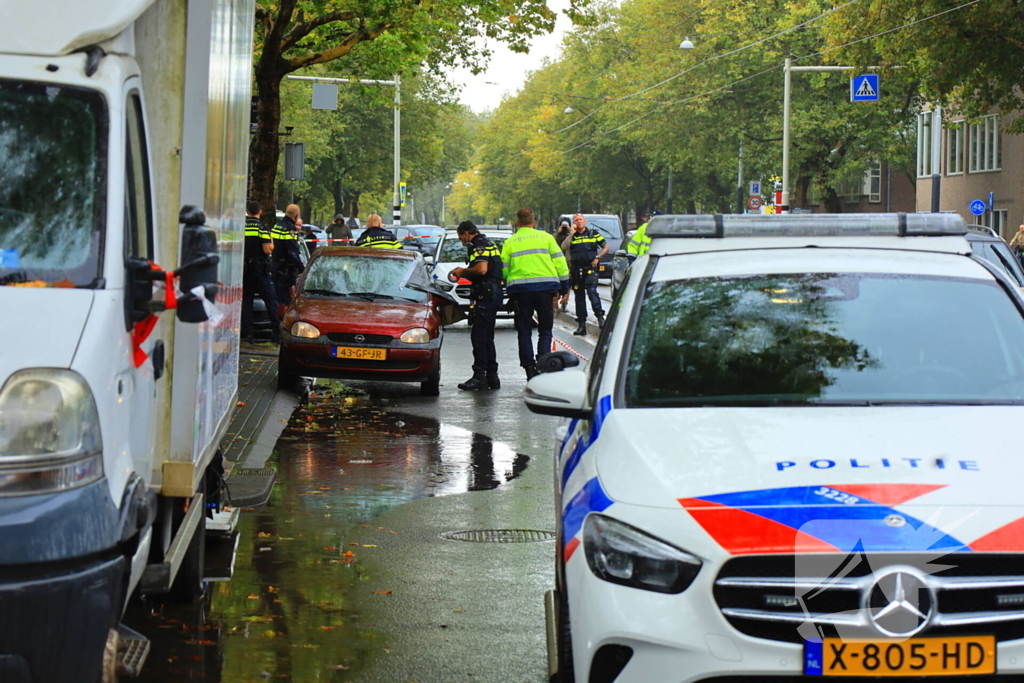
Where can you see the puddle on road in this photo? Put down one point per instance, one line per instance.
(342, 460)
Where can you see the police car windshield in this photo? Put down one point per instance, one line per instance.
(826, 339)
(52, 166)
(362, 275)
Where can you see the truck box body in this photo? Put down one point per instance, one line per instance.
(113, 116)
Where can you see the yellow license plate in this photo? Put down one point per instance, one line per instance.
(946, 656)
(360, 353)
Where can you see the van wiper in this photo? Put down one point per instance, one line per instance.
(323, 292)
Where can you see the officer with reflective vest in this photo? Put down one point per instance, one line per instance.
(586, 247)
(535, 272)
(256, 273)
(376, 236)
(640, 243)
(484, 272)
(287, 256)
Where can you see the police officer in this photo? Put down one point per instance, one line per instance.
(484, 272)
(376, 236)
(586, 247)
(256, 274)
(535, 272)
(640, 242)
(287, 257)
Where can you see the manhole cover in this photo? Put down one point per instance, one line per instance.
(500, 535)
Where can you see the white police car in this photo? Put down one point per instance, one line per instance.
(796, 452)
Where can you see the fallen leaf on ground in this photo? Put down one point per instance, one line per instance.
(382, 592)
(371, 546)
(329, 548)
(325, 628)
(252, 596)
(355, 544)
(348, 553)
(458, 610)
(264, 534)
(240, 404)
(337, 667)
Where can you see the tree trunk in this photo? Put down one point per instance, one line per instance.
(264, 148)
(803, 185)
(339, 198)
(833, 204)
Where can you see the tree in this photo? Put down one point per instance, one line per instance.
(373, 38)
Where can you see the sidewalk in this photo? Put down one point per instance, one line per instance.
(262, 414)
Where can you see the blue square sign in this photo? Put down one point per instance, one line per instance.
(864, 88)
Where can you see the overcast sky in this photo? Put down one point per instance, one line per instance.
(507, 70)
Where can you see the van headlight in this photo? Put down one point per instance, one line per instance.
(417, 335)
(49, 433)
(305, 330)
(619, 553)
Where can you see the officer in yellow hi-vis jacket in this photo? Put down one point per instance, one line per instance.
(535, 272)
(640, 243)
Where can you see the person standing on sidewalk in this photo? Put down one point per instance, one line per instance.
(563, 231)
(535, 272)
(256, 273)
(287, 257)
(485, 274)
(586, 247)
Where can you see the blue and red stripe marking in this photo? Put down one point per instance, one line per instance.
(590, 498)
(812, 519)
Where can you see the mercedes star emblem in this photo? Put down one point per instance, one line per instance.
(360, 338)
(900, 602)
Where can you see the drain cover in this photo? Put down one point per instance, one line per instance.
(500, 535)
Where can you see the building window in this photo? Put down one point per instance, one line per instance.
(924, 144)
(955, 149)
(986, 153)
(995, 220)
(873, 183)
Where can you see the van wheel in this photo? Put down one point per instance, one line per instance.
(432, 385)
(188, 584)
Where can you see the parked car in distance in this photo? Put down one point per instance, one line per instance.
(425, 238)
(363, 313)
(986, 244)
(451, 253)
(610, 227)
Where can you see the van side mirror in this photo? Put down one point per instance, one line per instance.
(199, 261)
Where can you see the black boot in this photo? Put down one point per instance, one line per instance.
(492, 380)
(581, 330)
(531, 372)
(600, 320)
(475, 383)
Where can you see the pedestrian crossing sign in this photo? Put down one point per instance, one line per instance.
(864, 88)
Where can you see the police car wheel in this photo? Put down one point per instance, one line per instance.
(566, 670)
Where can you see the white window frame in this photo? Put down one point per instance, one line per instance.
(955, 149)
(995, 220)
(873, 183)
(924, 144)
(984, 151)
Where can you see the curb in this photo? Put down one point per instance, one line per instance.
(566, 317)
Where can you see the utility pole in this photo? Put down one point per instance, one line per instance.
(669, 198)
(739, 183)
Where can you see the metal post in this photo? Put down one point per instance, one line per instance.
(936, 157)
(739, 182)
(442, 207)
(786, 92)
(398, 150)
(669, 198)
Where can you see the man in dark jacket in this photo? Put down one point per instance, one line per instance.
(338, 230)
(287, 257)
(256, 273)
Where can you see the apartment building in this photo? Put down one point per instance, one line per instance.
(978, 162)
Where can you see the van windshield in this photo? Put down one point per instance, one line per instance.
(826, 339)
(52, 162)
(609, 227)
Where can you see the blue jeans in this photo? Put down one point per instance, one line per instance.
(528, 305)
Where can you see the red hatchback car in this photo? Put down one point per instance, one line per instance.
(360, 313)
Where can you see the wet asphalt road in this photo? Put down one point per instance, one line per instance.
(344, 576)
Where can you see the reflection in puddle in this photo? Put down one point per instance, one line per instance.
(284, 616)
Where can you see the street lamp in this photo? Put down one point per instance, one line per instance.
(687, 44)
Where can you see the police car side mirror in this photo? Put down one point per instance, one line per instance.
(562, 394)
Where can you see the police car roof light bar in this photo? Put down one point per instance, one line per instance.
(804, 225)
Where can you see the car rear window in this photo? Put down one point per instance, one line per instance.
(828, 339)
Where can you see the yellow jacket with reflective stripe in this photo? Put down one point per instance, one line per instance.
(378, 238)
(533, 262)
(640, 243)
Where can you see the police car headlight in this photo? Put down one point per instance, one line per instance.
(619, 553)
(416, 335)
(305, 330)
(49, 432)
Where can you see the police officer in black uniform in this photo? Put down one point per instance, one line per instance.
(256, 274)
(375, 236)
(287, 256)
(484, 272)
(586, 247)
